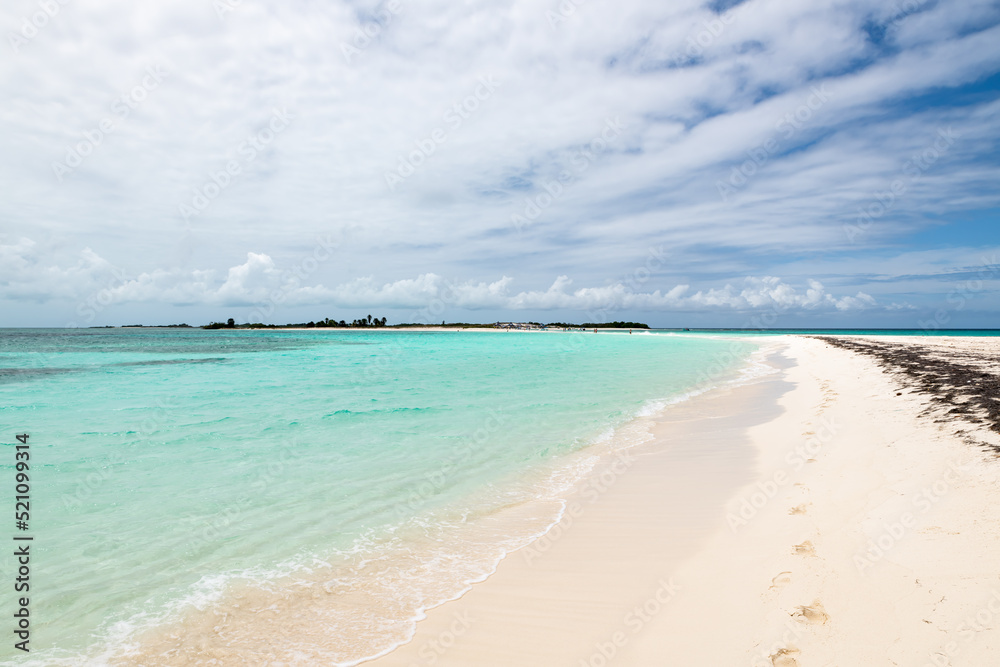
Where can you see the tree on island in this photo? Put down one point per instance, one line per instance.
(231, 324)
(323, 322)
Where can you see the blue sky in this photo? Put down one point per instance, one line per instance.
(831, 163)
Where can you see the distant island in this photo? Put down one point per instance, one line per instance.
(370, 322)
(364, 322)
(375, 322)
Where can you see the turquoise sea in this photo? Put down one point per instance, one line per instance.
(345, 481)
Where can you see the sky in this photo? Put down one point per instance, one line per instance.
(775, 163)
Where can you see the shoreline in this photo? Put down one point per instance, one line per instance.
(831, 511)
(534, 598)
(244, 608)
(807, 536)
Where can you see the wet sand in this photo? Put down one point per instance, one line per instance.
(835, 512)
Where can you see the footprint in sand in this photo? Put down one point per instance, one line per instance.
(782, 580)
(799, 509)
(813, 614)
(785, 657)
(804, 549)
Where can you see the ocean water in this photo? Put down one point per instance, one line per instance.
(301, 495)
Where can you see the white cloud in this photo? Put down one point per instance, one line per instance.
(26, 272)
(773, 293)
(258, 282)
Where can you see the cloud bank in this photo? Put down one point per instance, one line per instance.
(525, 138)
(258, 285)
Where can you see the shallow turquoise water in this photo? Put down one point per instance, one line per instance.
(163, 460)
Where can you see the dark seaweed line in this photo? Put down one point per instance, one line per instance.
(961, 390)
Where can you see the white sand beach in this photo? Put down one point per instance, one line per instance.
(811, 517)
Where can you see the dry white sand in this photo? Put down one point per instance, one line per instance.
(809, 518)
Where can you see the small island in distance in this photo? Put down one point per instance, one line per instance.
(370, 322)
